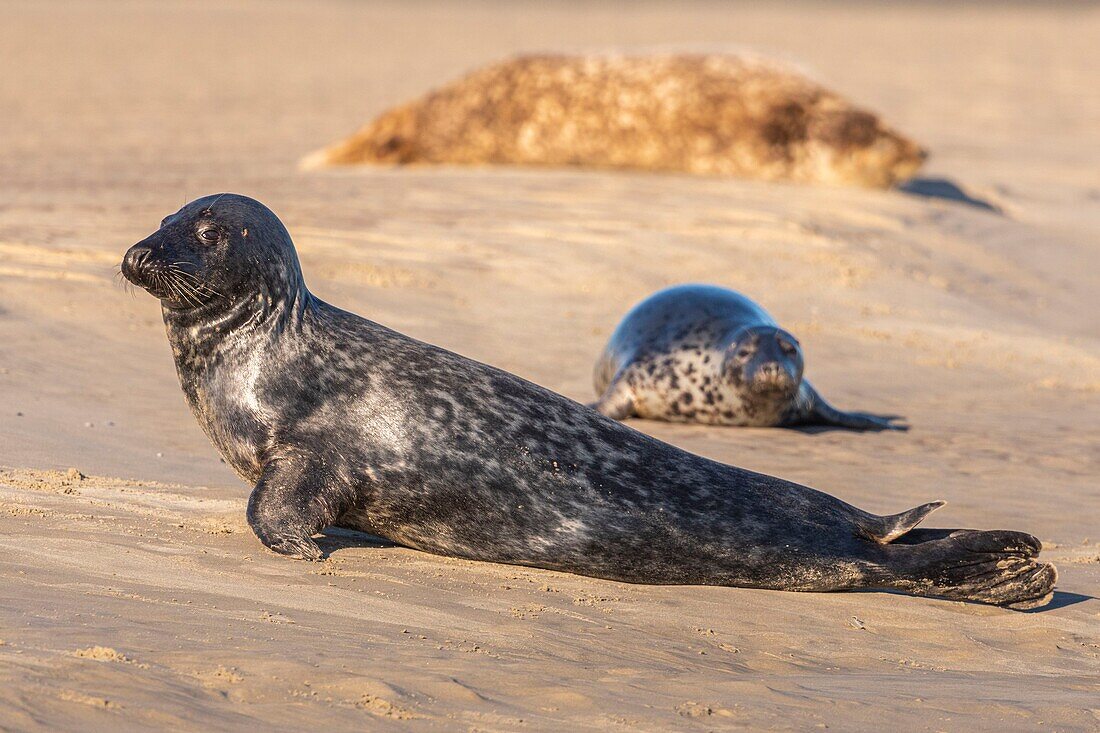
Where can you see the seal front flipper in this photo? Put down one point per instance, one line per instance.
(617, 401)
(814, 410)
(293, 500)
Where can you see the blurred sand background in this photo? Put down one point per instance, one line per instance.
(143, 600)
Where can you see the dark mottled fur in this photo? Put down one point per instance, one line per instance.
(338, 420)
(699, 353)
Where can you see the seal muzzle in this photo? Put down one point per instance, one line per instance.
(135, 263)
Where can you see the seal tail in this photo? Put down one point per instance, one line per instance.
(885, 530)
(998, 567)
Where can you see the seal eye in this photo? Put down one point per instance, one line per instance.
(788, 348)
(744, 353)
(209, 235)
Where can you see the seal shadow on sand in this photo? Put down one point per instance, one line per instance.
(1061, 599)
(948, 190)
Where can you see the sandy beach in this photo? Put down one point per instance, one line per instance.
(134, 596)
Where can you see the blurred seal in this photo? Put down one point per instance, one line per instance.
(699, 353)
(709, 114)
(336, 420)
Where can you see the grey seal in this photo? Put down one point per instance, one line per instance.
(705, 354)
(336, 420)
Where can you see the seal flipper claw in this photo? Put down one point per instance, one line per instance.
(301, 548)
(289, 505)
(885, 530)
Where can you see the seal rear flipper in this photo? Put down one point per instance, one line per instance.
(885, 530)
(997, 567)
(815, 410)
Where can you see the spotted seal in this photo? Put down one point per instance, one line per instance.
(337, 420)
(700, 353)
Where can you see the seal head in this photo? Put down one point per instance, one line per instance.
(765, 361)
(216, 254)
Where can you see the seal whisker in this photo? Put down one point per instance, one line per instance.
(181, 294)
(195, 290)
(162, 283)
(182, 276)
(210, 207)
(174, 288)
(125, 284)
(200, 287)
(188, 292)
(193, 280)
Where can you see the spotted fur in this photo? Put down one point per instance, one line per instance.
(337, 420)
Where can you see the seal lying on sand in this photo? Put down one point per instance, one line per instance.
(338, 420)
(699, 353)
(706, 114)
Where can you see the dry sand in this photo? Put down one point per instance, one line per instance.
(129, 604)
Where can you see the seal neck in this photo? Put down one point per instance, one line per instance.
(205, 336)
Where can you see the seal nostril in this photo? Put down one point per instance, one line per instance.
(772, 372)
(137, 257)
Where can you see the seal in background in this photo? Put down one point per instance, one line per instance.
(709, 114)
(699, 353)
